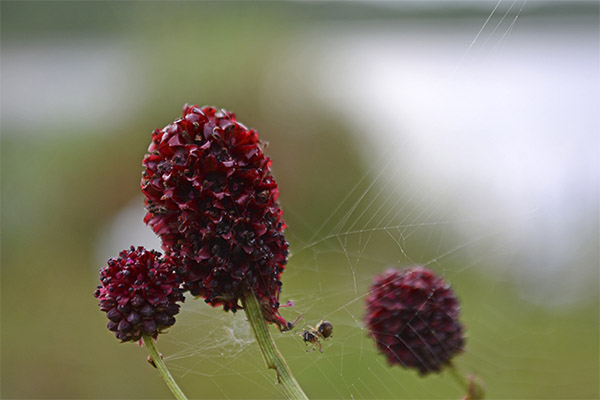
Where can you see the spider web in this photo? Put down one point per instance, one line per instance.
(413, 206)
(338, 264)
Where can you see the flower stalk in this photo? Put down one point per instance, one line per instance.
(271, 355)
(474, 389)
(162, 368)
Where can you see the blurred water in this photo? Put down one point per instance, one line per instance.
(501, 131)
(82, 82)
(499, 121)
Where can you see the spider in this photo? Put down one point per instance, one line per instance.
(324, 330)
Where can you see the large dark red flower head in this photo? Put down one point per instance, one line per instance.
(211, 198)
(413, 317)
(139, 293)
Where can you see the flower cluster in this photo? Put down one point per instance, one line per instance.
(139, 293)
(413, 317)
(212, 200)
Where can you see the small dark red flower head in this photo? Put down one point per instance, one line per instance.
(413, 317)
(139, 293)
(211, 198)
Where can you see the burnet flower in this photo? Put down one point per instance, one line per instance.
(139, 293)
(413, 317)
(211, 198)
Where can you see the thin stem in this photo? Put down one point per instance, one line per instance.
(271, 355)
(458, 377)
(162, 368)
(474, 389)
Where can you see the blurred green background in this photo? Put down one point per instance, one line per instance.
(85, 83)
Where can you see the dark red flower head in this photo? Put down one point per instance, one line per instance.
(413, 317)
(139, 293)
(211, 198)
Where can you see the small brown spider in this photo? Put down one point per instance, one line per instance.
(324, 330)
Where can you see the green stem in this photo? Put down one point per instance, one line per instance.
(474, 389)
(162, 368)
(269, 351)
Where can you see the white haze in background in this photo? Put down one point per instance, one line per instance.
(67, 85)
(507, 123)
(505, 129)
(125, 229)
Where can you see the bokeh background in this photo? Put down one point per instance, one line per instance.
(461, 135)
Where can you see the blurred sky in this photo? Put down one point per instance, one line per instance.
(480, 113)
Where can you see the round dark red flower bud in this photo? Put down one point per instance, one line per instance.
(413, 317)
(139, 293)
(211, 198)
